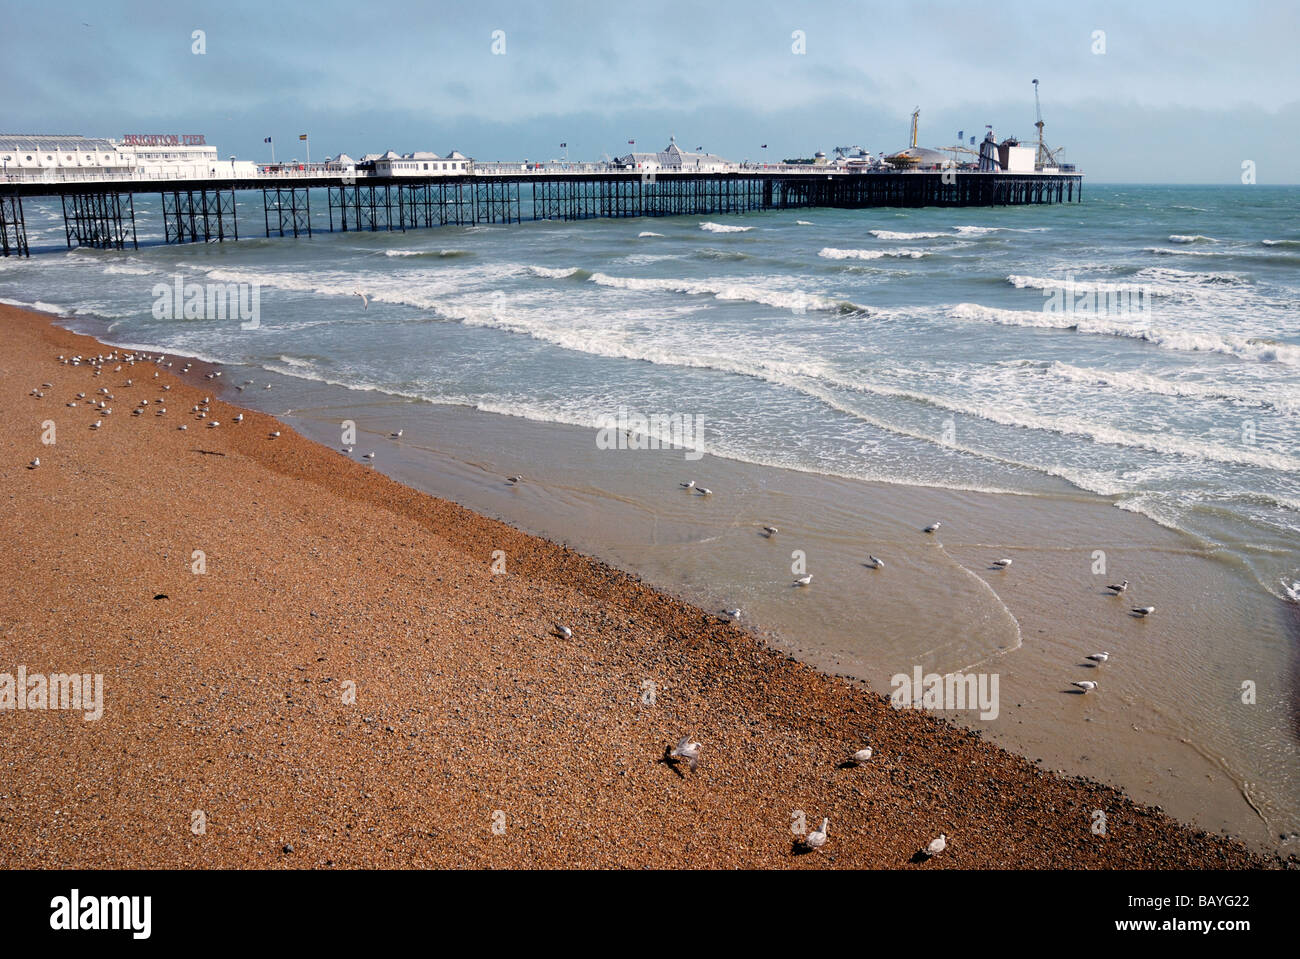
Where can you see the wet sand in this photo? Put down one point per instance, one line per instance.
(226, 697)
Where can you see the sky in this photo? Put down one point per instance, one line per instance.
(1135, 92)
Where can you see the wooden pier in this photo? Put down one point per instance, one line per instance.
(101, 214)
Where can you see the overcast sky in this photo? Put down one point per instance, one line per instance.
(1183, 92)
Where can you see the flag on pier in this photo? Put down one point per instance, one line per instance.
(267, 140)
(302, 136)
(631, 143)
(763, 147)
(564, 146)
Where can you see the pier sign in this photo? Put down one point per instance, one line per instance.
(163, 140)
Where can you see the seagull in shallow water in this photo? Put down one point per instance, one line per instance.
(687, 750)
(703, 491)
(803, 580)
(733, 613)
(861, 756)
(368, 456)
(1099, 657)
(817, 839)
(875, 562)
(397, 435)
(771, 531)
(690, 485)
(933, 527)
(1002, 563)
(1143, 611)
(937, 845)
(1087, 685)
(514, 479)
(1118, 589)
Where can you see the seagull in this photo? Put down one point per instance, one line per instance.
(861, 756)
(733, 613)
(875, 562)
(1118, 589)
(1087, 685)
(97, 424)
(1099, 657)
(771, 531)
(368, 456)
(936, 846)
(347, 449)
(803, 580)
(212, 424)
(397, 435)
(815, 840)
(365, 303)
(564, 631)
(182, 427)
(34, 463)
(239, 417)
(1002, 563)
(1144, 610)
(933, 527)
(268, 386)
(514, 479)
(688, 750)
(275, 434)
(703, 491)
(690, 485)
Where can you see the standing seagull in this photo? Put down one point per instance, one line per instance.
(803, 580)
(1143, 611)
(815, 840)
(770, 531)
(861, 756)
(564, 631)
(933, 527)
(688, 750)
(875, 562)
(690, 485)
(936, 846)
(1099, 657)
(397, 435)
(1087, 685)
(1118, 589)
(514, 479)
(703, 491)
(1002, 563)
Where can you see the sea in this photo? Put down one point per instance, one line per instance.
(1128, 363)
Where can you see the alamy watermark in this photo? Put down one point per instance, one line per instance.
(208, 301)
(953, 691)
(631, 430)
(70, 691)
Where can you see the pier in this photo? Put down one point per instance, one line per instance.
(101, 213)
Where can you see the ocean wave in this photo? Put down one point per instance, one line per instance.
(645, 233)
(724, 228)
(39, 305)
(125, 270)
(1161, 386)
(1281, 242)
(1166, 251)
(894, 235)
(787, 300)
(440, 254)
(1194, 238)
(831, 253)
(803, 223)
(1244, 347)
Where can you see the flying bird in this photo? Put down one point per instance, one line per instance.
(365, 303)
(687, 750)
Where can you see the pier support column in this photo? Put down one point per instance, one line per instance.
(287, 209)
(13, 229)
(96, 220)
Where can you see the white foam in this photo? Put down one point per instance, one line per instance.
(1194, 238)
(1286, 400)
(1187, 341)
(724, 228)
(894, 235)
(831, 253)
(645, 233)
(803, 223)
(795, 301)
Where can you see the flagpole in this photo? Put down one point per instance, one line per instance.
(272, 151)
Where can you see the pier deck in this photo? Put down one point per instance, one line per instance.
(101, 213)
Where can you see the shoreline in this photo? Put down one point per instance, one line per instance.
(276, 766)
